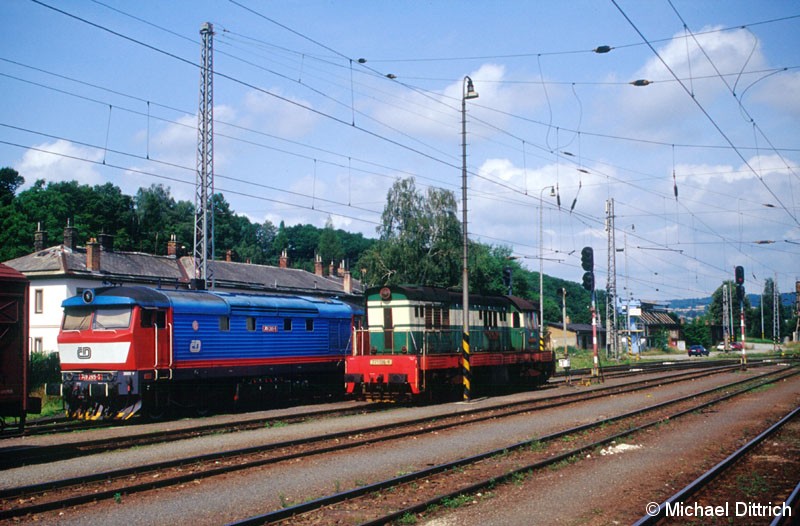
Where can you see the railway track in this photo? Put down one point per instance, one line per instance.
(60, 424)
(736, 486)
(25, 456)
(22, 501)
(398, 499)
(67, 450)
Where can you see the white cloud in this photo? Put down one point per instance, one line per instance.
(63, 164)
(287, 118)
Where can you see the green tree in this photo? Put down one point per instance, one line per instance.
(714, 313)
(420, 238)
(330, 247)
(159, 216)
(10, 181)
(698, 333)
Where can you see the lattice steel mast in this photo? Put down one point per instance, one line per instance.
(611, 284)
(204, 187)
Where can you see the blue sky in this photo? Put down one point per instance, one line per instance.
(108, 91)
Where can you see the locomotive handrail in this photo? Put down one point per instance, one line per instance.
(155, 349)
(171, 353)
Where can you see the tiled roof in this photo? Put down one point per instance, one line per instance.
(136, 267)
(273, 279)
(657, 318)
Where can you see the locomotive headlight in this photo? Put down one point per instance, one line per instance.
(88, 296)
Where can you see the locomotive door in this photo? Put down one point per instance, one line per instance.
(154, 322)
(388, 330)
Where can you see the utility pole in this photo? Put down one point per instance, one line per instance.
(204, 185)
(739, 277)
(564, 362)
(776, 316)
(611, 283)
(725, 307)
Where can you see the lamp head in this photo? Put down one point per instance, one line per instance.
(471, 93)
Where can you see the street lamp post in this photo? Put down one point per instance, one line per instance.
(467, 92)
(541, 264)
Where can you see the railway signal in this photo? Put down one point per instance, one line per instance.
(738, 274)
(587, 263)
(588, 281)
(587, 258)
(508, 279)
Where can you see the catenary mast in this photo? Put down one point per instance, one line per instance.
(204, 187)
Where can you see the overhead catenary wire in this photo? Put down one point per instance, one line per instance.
(524, 147)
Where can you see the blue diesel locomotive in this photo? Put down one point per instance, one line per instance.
(125, 349)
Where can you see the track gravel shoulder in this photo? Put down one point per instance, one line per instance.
(239, 495)
(615, 489)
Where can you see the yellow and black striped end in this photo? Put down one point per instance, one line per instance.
(466, 372)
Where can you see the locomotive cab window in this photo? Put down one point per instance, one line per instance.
(112, 318)
(224, 323)
(309, 324)
(77, 319)
(287, 324)
(251, 324)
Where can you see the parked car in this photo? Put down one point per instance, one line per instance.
(733, 346)
(698, 350)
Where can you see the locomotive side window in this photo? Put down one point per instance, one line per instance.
(224, 323)
(77, 319)
(112, 318)
(287, 324)
(251, 324)
(515, 318)
(154, 317)
(309, 324)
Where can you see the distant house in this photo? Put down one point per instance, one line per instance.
(62, 271)
(578, 335)
(654, 321)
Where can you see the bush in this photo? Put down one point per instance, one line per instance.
(44, 368)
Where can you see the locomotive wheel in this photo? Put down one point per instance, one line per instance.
(155, 405)
(202, 405)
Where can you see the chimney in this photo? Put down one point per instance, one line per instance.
(93, 255)
(347, 283)
(283, 261)
(106, 242)
(341, 270)
(331, 269)
(39, 238)
(317, 265)
(70, 236)
(229, 256)
(172, 246)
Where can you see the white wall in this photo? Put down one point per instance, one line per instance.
(45, 324)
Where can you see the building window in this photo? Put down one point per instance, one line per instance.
(38, 345)
(38, 301)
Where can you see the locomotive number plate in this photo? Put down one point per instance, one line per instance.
(90, 377)
(385, 361)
